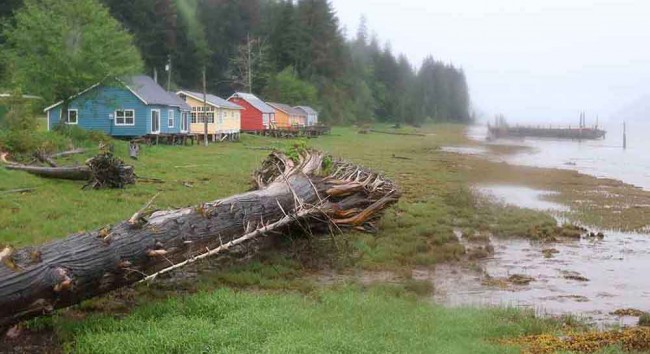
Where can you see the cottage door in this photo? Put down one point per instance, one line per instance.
(184, 122)
(155, 121)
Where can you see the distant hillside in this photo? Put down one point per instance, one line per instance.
(283, 50)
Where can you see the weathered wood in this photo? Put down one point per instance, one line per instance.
(68, 153)
(36, 280)
(75, 173)
(20, 190)
(42, 157)
(101, 171)
(396, 133)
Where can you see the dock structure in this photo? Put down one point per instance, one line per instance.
(503, 130)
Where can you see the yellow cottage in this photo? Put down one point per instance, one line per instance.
(224, 117)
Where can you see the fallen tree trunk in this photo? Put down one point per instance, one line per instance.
(68, 153)
(396, 133)
(36, 280)
(75, 173)
(102, 171)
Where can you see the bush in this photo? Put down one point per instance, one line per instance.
(644, 320)
(21, 142)
(82, 136)
(19, 135)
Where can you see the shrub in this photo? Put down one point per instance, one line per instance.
(644, 320)
(81, 136)
(26, 142)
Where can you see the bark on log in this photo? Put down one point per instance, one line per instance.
(75, 173)
(101, 171)
(36, 280)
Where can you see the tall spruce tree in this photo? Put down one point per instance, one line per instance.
(56, 49)
(356, 80)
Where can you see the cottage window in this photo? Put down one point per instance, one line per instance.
(170, 118)
(73, 117)
(125, 117)
(199, 117)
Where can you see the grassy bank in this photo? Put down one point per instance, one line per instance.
(346, 320)
(280, 304)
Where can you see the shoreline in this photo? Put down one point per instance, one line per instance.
(415, 237)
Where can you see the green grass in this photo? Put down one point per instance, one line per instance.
(57, 208)
(298, 315)
(342, 321)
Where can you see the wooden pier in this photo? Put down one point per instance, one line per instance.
(501, 129)
(538, 132)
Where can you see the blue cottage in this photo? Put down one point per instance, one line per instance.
(131, 107)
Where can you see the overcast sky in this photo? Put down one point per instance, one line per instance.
(542, 60)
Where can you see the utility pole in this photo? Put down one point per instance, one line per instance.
(168, 67)
(205, 110)
(249, 63)
(624, 136)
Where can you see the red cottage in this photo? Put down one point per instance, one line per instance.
(257, 115)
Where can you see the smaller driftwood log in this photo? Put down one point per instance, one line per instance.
(101, 171)
(312, 193)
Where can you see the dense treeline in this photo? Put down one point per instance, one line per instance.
(291, 51)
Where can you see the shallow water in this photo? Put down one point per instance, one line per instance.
(465, 150)
(616, 267)
(522, 197)
(600, 158)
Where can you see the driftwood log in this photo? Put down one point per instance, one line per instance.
(75, 173)
(312, 192)
(101, 171)
(396, 133)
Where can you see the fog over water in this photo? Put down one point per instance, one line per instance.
(534, 61)
(600, 158)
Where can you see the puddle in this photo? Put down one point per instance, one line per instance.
(586, 278)
(465, 150)
(522, 197)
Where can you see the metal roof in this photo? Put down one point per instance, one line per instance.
(146, 89)
(179, 102)
(254, 101)
(213, 100)
(307, 110)
(151, 93)
(286, 109)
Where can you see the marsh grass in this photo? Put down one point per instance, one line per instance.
(348, 320)
(277, 307)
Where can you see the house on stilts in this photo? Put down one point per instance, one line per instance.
(223, 117)
(256, 115)
(287, 117)
(311, 115)
(128, 107)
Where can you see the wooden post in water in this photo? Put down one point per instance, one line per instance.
(624, 136)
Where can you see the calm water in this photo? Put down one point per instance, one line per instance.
(600, 158)
(616, 268)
